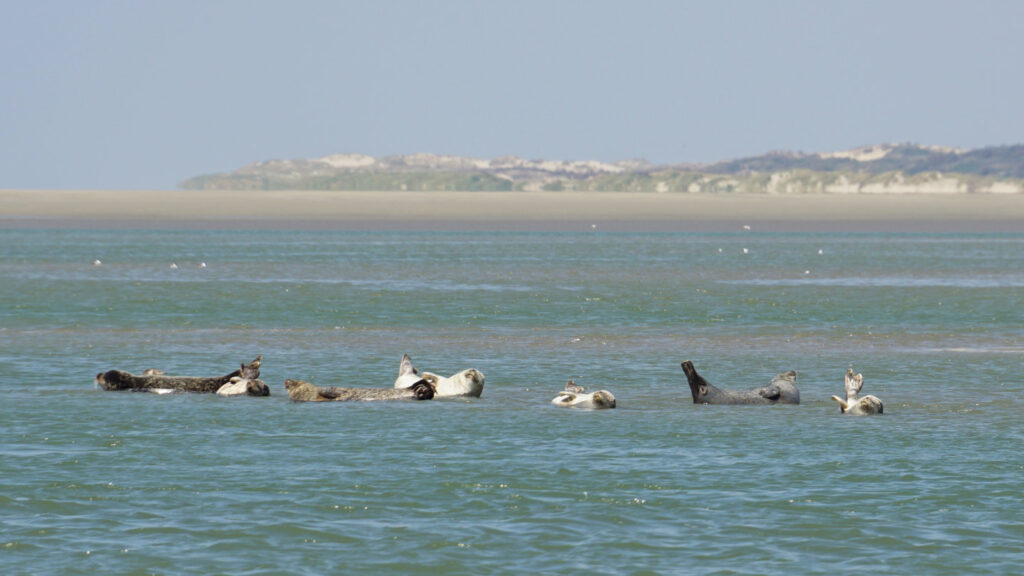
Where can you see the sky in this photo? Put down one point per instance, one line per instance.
(145, 94)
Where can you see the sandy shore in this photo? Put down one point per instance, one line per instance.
(504, 210)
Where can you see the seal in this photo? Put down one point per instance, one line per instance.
(153, 380)
(239, 386)
(861, 406)
(469, 382)
(301, 391)
(781, 390)
(576, 397)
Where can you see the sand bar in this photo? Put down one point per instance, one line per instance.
(303, 209)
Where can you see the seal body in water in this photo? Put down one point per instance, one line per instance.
(854, 404)
(469, 382)
(577, 397)
(301, 391)
(781, 390)
(156, 381)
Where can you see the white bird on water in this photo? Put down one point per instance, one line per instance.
(97, 262)
(174, 266)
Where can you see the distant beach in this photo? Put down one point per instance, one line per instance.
(343, 210)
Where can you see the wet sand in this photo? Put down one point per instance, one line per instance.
(285, 210)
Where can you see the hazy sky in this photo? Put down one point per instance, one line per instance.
(144, 94)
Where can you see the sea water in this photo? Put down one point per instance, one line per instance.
(132, 483)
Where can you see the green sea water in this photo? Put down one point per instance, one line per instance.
(95, 482)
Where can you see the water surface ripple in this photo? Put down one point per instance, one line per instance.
(127, 483)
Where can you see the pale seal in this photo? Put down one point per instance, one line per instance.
(781, 390)
(576, 397)
(469, 382)
(301, 391)
(853, 405)
(156, 381)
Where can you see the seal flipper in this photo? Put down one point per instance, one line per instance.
(328, 392)
(251, 371)
(406, 367)
(853, 385)
(408, 375)
(422, 390)
(772, 393)
(571, 386)
(843, 406)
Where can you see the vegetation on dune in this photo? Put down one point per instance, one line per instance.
(903, 168)
(368, 181)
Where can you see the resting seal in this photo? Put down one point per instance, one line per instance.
(576, 397)
(469, 382)
(853, 405)
(156, 381)
(300, 391)
(781, 390)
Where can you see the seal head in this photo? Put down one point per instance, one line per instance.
(469, 382)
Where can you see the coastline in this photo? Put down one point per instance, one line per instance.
(553, 211)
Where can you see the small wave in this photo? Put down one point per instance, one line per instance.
(978, 350)
(889, 282)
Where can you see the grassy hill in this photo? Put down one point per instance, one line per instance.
(903, 168)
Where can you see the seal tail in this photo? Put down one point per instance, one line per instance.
(406, 366)
(853, 384)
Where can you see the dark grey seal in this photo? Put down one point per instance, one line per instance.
(781, 390)
(154, 380)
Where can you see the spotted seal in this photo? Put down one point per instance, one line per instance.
(576, 397)
(469, 382)
(853, 404)
(781, 390)
(153, 380)
(301, 391)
